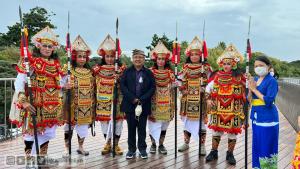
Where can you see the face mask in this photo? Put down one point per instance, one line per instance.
(272, 73)
(261, 71)
(138, 110)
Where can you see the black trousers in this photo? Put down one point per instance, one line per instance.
(139, 125)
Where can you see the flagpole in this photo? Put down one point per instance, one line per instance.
(69, 90)
(201, 94)
(175, 95)
(115, 93)
(247, 91)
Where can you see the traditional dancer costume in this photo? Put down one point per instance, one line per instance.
(296, 160)
(163, 99)
(190, 101)
(45, 76)
(105, 75)
(82, 95)
(227, 92)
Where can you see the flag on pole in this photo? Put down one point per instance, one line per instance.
(174, 54)
(26, 43)
(249, 49)
(205, 51)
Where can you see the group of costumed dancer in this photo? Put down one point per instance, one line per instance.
(92, 97)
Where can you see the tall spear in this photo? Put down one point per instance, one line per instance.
(28, 81)
(115, 96)
(201, 92)
(69, 81)
(246, 107)
(175, 95)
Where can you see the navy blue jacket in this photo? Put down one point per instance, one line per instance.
(128, 83)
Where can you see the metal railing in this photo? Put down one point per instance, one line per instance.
(288, 100)
(290, 80)
(7, 129)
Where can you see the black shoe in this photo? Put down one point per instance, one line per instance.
(143, 154)
(130, 155)
(213, 155)
(153, 149)
(230, 158)
(162, 149)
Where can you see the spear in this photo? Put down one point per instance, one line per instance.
(69, 81)
(175, 95)
(115, 96)
(201, 93)
(246, 107)
(33, 115)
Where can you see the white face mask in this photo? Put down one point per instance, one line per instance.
(138, 110)
(261, 71)
(272, 73)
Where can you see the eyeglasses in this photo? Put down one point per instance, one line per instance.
(47, 46)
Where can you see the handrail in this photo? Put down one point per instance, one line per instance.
(6, 129)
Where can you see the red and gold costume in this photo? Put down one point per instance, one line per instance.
(105, 75)
(163, 99)
(296, 160)
(191, 76)
(45, 78)
(82, 95)
(82, 100)
(190, 102)
(82, 87)
(227, 93)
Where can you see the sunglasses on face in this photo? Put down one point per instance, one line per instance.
(47, 46)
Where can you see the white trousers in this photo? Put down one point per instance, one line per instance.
(218, 133)
(155, 129)
(81, 130)
(42, 138)
(192, 126)
(107, 128)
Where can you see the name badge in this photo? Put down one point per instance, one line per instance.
(141, 80)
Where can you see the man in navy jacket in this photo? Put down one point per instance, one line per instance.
(137, 86)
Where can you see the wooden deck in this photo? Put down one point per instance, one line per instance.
(185, 160)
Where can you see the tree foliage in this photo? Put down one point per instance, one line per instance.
(37, 19)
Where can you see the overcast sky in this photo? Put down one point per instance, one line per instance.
(275, 28)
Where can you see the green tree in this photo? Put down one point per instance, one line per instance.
(37, 19)
(155, 39)
(126, 60)
(222, 45)
(94, 61)
(10, 54)
(7, 70)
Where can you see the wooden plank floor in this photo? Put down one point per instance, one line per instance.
(185, 160)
